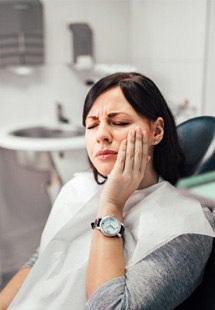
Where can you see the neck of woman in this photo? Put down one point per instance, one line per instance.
(150, 177)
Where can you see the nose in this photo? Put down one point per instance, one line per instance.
(104, 134)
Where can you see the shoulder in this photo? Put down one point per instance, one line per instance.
(73, 195)
(209, 216)
(162, 280)
(172, 272)
(81, 187)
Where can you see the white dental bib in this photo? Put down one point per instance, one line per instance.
(152, 217)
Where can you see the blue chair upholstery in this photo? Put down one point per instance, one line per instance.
(197, 139)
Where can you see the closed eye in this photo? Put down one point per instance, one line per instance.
(120, 123)
(111, 123)
(92, 126)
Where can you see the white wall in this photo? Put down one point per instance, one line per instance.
(26, 99)
(164, 39)
(168, 45)
(209, 82)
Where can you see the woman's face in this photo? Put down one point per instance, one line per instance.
(107, 124)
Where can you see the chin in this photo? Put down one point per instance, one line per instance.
(105, 171)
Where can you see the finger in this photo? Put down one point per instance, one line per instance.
(145, 155)
(120, 161)
(129, 160)
(138, 150)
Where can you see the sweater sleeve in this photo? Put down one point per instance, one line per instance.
(30, 263)
(162, 280)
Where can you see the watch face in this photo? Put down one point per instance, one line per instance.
(110, 226)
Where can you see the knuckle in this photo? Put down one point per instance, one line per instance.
(139, 155)
(130, 155)
(121, 160)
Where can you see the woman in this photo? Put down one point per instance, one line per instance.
(149, 245)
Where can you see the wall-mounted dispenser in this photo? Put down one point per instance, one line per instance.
(21, 33)
(82, 46)
(83, 59)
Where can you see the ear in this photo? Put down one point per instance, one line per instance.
(158, 130)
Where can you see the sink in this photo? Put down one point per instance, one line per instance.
(43, 137)
(47, 132)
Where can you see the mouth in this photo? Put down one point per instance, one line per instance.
(106, 154)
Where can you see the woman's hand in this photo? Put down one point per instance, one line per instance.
(128, 171)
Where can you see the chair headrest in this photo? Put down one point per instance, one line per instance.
(197, 140)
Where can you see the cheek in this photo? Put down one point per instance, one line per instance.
(120, 135)
(150, 137)
(119, 140)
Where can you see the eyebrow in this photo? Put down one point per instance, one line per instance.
(109, 115)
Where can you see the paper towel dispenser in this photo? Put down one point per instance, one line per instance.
(84, 62)
(21, 33)
(82, 45)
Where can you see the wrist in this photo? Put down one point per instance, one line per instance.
(109, 226)
(106, 209)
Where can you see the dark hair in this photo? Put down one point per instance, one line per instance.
(146, 99)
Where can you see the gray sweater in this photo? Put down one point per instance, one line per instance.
(160, 281)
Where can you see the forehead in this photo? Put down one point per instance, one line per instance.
(112, 100)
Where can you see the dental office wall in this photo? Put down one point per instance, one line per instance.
(170, 41)
(26, 99)
(209, 81)
(173, 42)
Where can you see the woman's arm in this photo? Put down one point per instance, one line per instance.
(13, 286)
(124, 179)
(106, 261)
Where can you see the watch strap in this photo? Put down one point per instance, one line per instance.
(96, 224)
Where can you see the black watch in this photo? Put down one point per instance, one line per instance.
(109, 226)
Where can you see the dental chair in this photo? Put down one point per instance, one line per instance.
(197, 139)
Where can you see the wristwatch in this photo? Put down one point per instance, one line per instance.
(109, 226)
